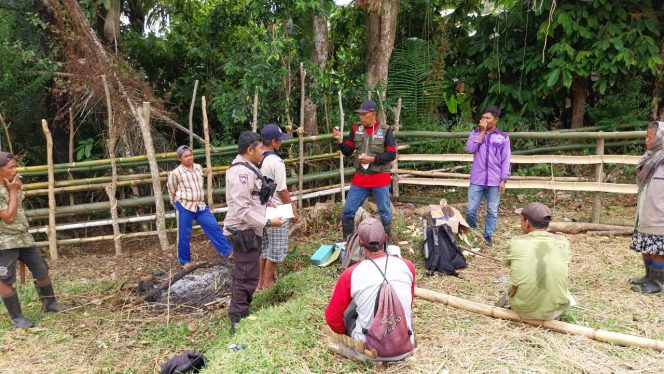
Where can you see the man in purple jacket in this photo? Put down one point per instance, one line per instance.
(491, 168)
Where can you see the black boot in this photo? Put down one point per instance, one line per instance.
(14, 308)
(388, 231)
(348, 226)
(47, 297)
(655, 283)
(643, 280)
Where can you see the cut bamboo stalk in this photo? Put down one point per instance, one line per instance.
(432, 173)
(532, 135)
(395, 165)
(71, 150)
(580, 227)
(110, 190)
(208, 157)
(52, 239)
(300, 133)
(342, 175)
(254, 120)
(599, 171)
(9, 139)
(558, 326)
(520, 184)
(530, 159)
(154, 170)
(191, 116)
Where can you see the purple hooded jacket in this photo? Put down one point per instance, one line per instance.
(491, 157)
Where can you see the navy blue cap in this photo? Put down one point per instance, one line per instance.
(272, 131)
(366, 107)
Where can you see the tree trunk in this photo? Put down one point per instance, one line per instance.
(383, 15)
(136, 15)
(319, 56)
(579, 91)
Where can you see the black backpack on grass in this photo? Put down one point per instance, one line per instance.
(441, 252)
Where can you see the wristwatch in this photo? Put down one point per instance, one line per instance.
(269, 223)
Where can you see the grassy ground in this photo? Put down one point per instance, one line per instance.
(285, 333)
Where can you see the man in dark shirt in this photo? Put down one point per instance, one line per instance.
(375, 149)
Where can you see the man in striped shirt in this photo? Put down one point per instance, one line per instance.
(185, 188)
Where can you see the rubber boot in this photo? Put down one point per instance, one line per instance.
(655, 283)
(643, 280)
(348, 226)
(47, 297)
(14, 308)
(388, 231)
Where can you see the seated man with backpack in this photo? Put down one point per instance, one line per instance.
(372, 302)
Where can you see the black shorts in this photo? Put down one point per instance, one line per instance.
(32, 258)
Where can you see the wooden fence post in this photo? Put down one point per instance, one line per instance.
(254, 122)
(191, 116)
(144, 122)
(599, 177)
(208, 157)
(395, 166)
(110, 190)
(52, 240)
(300, 134)
(71, 150)
(342, 176)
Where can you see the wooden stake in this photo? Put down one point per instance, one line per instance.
(599, 171)
(154, 170)
(395, 165)
(6, 128)
(341, 157)
(191, 116)
(254, 122)
(71, 150)
(110, 190)
(52, 239)
(558, 326)
(300, 133)
(208, 157)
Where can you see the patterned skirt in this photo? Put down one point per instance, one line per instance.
(647, 243)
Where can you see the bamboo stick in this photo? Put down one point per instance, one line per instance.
(254, 121)
(300, 133)
(191, 116)
(342, 175)
(71, 150)
(110, 190)
(558, 326)
(532, 135)
(433, 173)
(208, 158)
(532, 159)
(154, 170)
(555, 185)
(9, 139)
(599, 171)
(395, 165)
(52, 239)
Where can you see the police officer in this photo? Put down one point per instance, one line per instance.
(245, 221)
(375, 148)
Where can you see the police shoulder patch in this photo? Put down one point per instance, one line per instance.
(244, 178)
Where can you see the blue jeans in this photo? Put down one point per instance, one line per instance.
(475, 195)
(210, 226)
(357, 195)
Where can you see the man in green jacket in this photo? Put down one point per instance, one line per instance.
(539, 261)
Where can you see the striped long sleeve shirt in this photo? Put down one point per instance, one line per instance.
(186, 187)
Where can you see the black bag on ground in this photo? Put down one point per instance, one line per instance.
(187, 362)
(441, 252)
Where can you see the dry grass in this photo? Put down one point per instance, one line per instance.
(102, 336)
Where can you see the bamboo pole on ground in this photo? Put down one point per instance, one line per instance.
(300, 133)
(599, 177)
(71, 149)
(208, 158)
(52, 239)
(191, 116)
(110, 190)
(395, 165)
(558, 326)
(341, 155)
(154, 170)
(254, 120)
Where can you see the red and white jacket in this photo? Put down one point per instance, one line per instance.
(360, 284)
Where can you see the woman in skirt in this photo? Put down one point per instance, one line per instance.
(648, 236)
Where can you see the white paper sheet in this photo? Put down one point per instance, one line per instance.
(283, 211)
